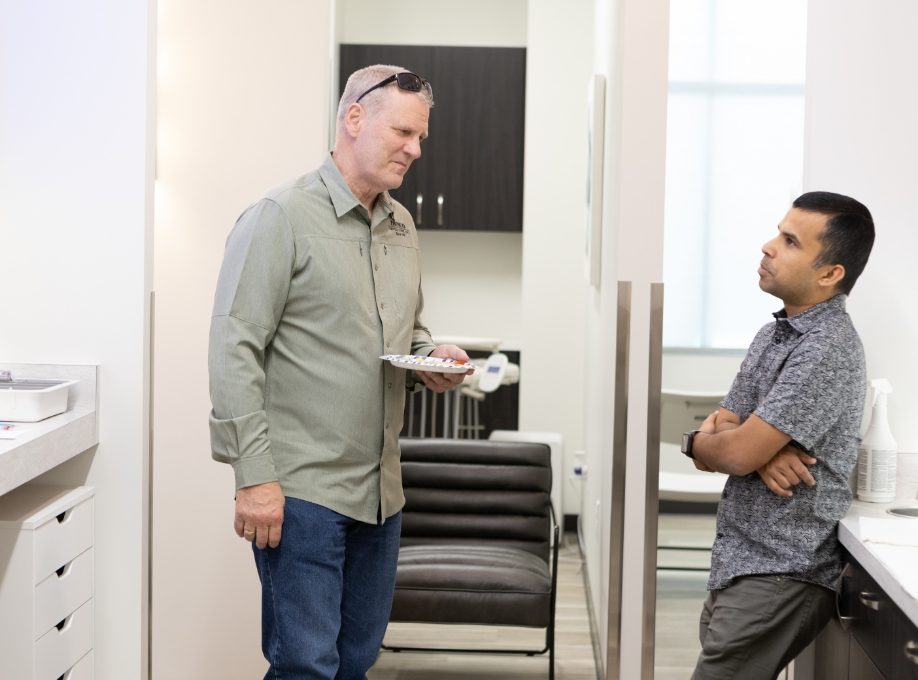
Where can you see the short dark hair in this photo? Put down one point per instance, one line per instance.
(848, 235)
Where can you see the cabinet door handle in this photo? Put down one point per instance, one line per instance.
(869, 600)
(843, 619)
(417, 215)
(911, 651)
(439, 210)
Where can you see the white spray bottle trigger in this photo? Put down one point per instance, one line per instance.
(880, 386)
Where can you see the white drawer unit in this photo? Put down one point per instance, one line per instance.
(82, 670)
(46, 583)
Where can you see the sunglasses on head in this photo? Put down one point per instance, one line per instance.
(408, 81)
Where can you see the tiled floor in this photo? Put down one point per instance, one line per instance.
(679, 599)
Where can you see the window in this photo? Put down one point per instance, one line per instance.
(734, 161)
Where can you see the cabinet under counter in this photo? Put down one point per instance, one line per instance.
(874, 635)
(46, 582)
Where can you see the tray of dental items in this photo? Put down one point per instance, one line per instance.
(416, 362)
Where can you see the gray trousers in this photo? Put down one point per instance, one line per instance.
(753, 628)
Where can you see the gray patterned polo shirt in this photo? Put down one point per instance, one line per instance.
(805, 376)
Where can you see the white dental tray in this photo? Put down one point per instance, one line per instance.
(28, 401)
(416, 362)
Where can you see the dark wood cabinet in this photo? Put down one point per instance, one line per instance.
(860, 667)
(831, 654)
(884, 641)
(872, 639)
(470, 174)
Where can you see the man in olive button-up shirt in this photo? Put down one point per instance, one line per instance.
(321, 277)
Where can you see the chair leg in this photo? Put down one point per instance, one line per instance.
(550, 644)
(551, 660)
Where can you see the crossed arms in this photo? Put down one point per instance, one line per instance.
(723, 444)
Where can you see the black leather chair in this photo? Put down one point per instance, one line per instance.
(479, 540)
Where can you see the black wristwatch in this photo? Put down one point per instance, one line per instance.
(688, 441)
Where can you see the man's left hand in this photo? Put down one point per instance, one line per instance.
(441, 382)
(786, 470)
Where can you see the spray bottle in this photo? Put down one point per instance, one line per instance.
(876, 456)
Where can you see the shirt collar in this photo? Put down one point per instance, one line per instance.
(809, 318)
(340, 193)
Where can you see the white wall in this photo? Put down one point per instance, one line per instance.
(472, 284)
(631, 51)
(861, 139)
(559, 65)
(75, 191)
(432, 22)
(243, 105)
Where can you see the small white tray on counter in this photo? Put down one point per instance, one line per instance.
(416, 362)
(31, 400)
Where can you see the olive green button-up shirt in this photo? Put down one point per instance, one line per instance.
(312, 290)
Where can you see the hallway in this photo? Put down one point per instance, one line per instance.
(574, 653)
(679, 598)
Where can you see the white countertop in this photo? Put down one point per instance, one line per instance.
(49, 442)
(887, 547)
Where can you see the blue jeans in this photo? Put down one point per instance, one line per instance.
(326, 593)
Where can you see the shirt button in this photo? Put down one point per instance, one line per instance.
(382, 305)
(389, 386)
(376, 267)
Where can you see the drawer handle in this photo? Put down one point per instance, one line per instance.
(911, 651)
(64, 623)
(63, 571)
(869, 600)
(843, 619)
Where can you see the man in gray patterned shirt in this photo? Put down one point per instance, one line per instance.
(787, 434)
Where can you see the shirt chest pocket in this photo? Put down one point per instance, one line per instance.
(397, 280)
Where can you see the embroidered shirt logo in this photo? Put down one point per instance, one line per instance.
(396, 226)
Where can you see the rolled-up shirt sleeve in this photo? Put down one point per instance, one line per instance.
(252, 289)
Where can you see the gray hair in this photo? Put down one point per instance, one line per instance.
(362, 80)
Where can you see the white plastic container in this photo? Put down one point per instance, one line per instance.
(876, 456)
(28, 401)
